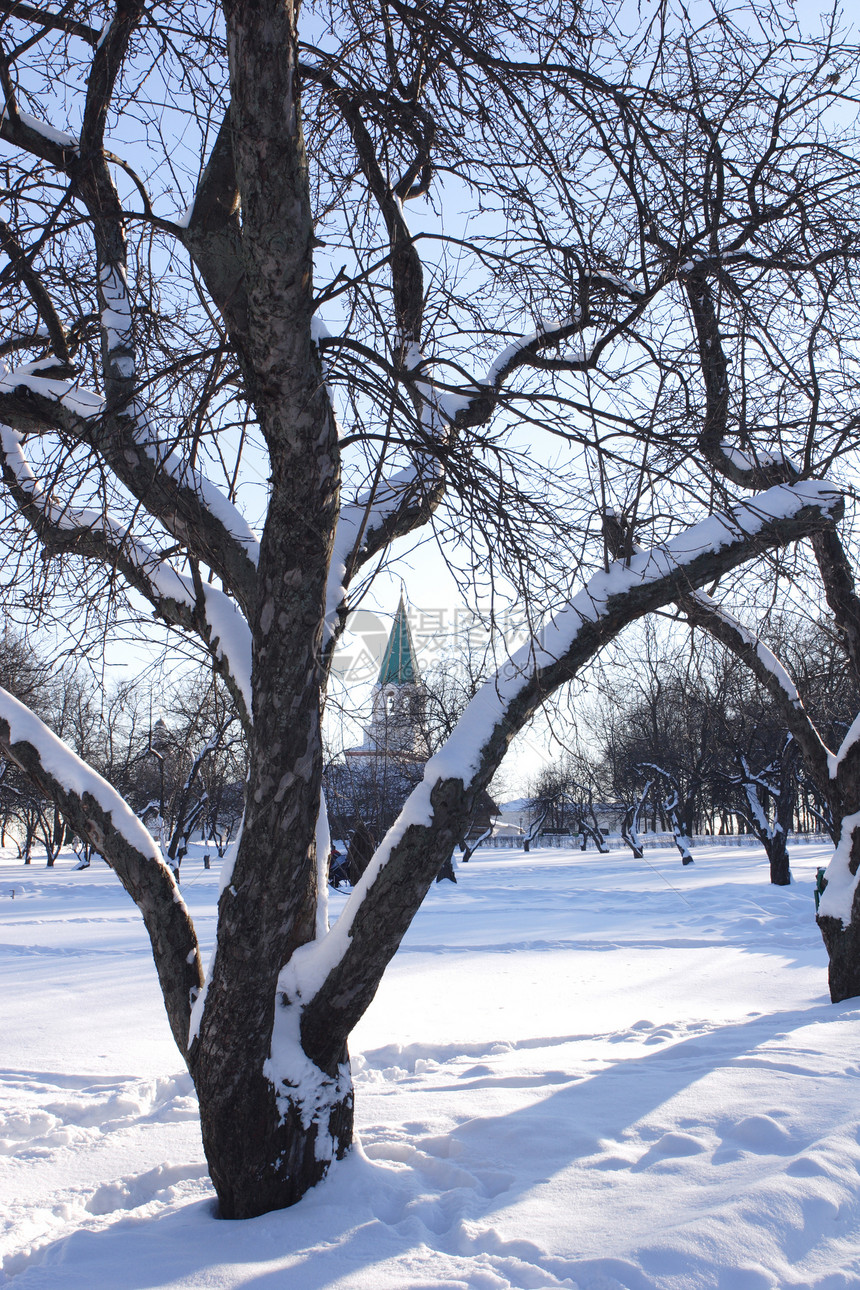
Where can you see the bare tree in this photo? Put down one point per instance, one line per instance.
(771, 409)
(630, 822)
(773, 783)
(26, 814)
(666, 730)
(563, 800)
(675, 807)
(172, 373)
(539, 812)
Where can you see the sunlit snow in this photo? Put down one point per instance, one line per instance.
(581, 1071)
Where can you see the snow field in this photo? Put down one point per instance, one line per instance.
(582, 1071)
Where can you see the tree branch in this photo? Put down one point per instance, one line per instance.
(28, 133)
(213, 238)
(26, 274)
(406, 270)
(50, 21)
(180, 601)
(403, 868)
(191, 509)
(746, 468)
(703, 612)
(838, 580)
(97, 812)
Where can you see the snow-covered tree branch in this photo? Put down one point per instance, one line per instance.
(100, 815)
(407, 862)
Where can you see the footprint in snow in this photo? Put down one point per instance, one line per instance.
(444, 1146)
(660, 1036)
(493, 1183)
(670, 1146)
(139, 1189)
(763, 1136)
(436, 1169)
(807, 1167)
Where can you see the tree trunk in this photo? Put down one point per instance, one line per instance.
(843, 949)
(468, 849)
(843, 942)
(780, 871)
(777, 853)
(680, 835)
(447, 871)
(630, 833)
(359, 852)
(265, 1147)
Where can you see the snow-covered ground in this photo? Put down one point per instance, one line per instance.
(583, 1071)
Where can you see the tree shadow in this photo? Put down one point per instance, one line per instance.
(567, 1124)
(368, 1213)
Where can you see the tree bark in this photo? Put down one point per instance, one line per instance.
(265, 1147)
(843, 942)
(777, 854)
(266, 1144)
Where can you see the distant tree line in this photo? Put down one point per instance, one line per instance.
(697, 746)
(685, 743)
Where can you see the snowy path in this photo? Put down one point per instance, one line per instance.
(581, 1071)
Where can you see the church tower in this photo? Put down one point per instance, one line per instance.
(397, 721)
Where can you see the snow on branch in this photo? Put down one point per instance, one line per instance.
(751, 464)
(747, 468)
(339, 973)
(766, 657)
(849, 744)
(191, 507)
(97, 812)
(473, 404)
(61, 137)
(70, 396)
(88, 405)
(393, 507)
(187, 476)
(30, 134)
(94, 534)
(65, 770)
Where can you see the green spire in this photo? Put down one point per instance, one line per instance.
(399, 666)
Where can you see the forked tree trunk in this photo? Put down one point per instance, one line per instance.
(780, 871)
(273, 1077)
(266, 1141)
(775, 842)
(468, 849)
